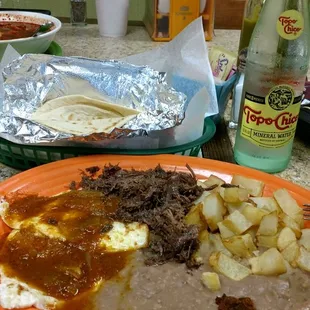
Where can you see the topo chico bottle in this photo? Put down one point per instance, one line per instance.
(277, 65)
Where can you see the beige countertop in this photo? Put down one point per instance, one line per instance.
(86, 42)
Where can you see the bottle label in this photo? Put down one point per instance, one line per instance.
(271, 122)
(290, 25)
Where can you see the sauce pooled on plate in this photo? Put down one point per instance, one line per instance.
(57, 248)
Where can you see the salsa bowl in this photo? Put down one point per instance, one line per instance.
(28, 45)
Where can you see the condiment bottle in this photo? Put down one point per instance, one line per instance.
(250, 18)
(276, 68)
(78, 12)
(251, 14)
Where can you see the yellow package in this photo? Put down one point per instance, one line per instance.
(222, 62)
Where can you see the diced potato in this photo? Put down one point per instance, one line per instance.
(253, 214)
(232, 207)
(237, 223)
(286, 237)
(228, 266)
(287, 221)
(289, 205)
(208, 188)
(213, 180)
(234, 194)
(254, 187)
(249, 242)
(305, 239)
(241, 246)
(211, 280)
(267, 241)
(269, 225)
(270, 263)
(224, 231)
(213, 209)
(252, 232)
(195, 217)
(205, 247)
(218, 245)
(268, 204)
(204, 236)
(202, 184)
(291, 253)
(300, 221)
(256, 253)
(202, 197)
(303, 260)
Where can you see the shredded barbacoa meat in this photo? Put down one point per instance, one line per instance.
(158, 198)
(92, 170)
(232, 303)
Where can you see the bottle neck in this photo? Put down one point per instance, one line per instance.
(251, 14)
(252, 9)
(291, 40)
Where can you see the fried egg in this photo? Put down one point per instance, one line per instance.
(121, 237)
(16, 294)
(125, 237)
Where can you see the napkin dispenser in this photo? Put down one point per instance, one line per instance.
(165, 19)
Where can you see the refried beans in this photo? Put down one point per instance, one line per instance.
(172, 287)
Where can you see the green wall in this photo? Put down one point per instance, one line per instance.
(61, 8)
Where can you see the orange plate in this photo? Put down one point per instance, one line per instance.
(55, 177)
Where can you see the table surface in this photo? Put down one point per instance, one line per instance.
(86, 42)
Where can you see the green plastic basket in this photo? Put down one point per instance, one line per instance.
(24, 157)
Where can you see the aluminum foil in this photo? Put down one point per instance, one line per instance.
(31, 80)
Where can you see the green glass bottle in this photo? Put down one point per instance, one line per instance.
(276, 68)
(250, 18)
(251, 15)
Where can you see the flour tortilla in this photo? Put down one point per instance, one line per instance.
(80, 115)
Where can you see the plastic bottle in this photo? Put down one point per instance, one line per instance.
(276, 68)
